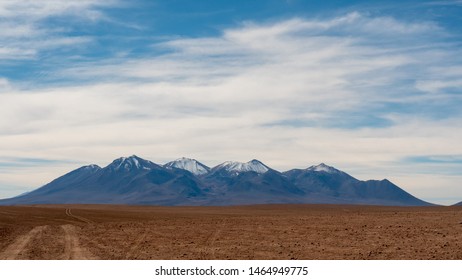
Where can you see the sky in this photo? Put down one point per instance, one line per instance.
(373, 88)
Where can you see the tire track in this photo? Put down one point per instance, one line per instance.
(72, 248)
(138, 243)
(209, 243)
(82, 219)
(18, 246)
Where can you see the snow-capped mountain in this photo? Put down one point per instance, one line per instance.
(323, 168)
(190, 165)
(133, 180)
(236, 168)
(131, 163)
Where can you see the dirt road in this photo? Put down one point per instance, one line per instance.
(62, 239)
(69, 214)
(14, 250)
(247, 232)
(72, 249)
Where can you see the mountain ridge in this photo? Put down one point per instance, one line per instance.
(134, 180)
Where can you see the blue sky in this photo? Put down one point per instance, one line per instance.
(370, 87)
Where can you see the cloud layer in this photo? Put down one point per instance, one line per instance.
(369, 95)
(25, 29)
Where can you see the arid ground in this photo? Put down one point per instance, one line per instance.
(244, 232)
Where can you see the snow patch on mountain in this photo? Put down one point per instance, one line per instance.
(251, 166)
(91, 167)
(190, 165)
(131, 163)
(323, 168)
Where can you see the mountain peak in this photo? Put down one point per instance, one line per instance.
(130, 163)
(188, 164)
(323, 168)
(251, 166)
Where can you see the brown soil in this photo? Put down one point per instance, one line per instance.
(244, 232)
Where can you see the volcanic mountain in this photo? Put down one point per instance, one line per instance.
(133, 180)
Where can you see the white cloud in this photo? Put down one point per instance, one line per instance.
(32, 10)
(24, 32)
(444, 3)
(291, 93)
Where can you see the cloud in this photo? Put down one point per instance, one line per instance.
(436, 159)
(354, 91)
(33, 10)
(7, 163)
(444, 3)
(333, 68)
(25, 29)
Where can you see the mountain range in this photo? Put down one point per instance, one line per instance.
(133, 180)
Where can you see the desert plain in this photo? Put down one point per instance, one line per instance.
(55, 232)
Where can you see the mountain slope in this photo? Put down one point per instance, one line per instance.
(129, 180)
(325, 184)
(73, 179)
(133, 180)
